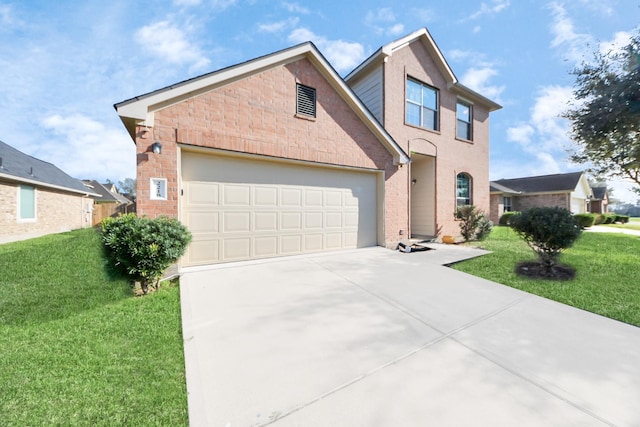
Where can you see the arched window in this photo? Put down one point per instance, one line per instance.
(463, 190)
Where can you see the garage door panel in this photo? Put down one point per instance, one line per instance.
(203, 222)
(333, 199)
(236, 222)
(266, 221)
(266, 246)
(237, 195)
(236, 248)
(291, 221)
(266, 196)
(313, 220)
(243, 209)
(291, 197)
(203, 193)
(291, 244)
(313, 242)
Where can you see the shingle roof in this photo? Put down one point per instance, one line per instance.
(539, 184)
(107, 196)
(599, 192)
(17, 166)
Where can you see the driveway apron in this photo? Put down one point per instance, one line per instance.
(373, 337)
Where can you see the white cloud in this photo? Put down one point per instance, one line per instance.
(276, 27)
(383, 21)
(478, 79)
(545, 136)
(86, 148)
(620, 40)
(343, 55)
(521, 133)
(424, 15)
(295, 8)
(169, 43)
(565, 37)
(492, 8)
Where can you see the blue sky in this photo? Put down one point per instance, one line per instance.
(63, 64)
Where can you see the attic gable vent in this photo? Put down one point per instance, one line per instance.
(305, 100)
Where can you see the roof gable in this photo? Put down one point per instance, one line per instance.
(139, 110)
(422, 35)
(566, 182)
(20, 167)
(106, 192)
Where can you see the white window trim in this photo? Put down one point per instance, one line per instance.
(19, 201)
(153, 188)
(422, 107)
(469, 123)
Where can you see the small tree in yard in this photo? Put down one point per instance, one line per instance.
(474, 224)
(143, 248)
(548, 231)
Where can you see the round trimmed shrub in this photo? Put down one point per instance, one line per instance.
(505, 219)
(585, 219)
(548, 231)
(143, 248)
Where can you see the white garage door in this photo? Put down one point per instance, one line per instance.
(578, 205)
(239, 208)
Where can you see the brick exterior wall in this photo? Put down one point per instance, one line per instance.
(561, 200)
(56, 212)
(257, 115)
(496, 207)
(453, 156)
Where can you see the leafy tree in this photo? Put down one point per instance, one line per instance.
(548, 231)
(143, 248)
(605, 122)
(128, 187)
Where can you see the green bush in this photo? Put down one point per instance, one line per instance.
(548, 231)
(608, 218)
(143, 248)
(585, 219)
(599, 219)
(470, 220)
(622, 219)
(505, 219)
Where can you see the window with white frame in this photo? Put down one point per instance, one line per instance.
(464, 114)
(26, 203)
(421, 105)
(506, 202)
(463, 189)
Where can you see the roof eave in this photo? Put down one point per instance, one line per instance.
(46, 184)
(139, 110)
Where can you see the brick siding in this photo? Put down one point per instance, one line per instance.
(56, 212)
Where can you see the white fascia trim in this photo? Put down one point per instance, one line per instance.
(47, 185)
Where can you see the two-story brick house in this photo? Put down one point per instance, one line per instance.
(441, 124)
(279, 156)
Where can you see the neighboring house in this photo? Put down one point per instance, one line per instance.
(600, 201)
(278, 155)
(109, 203)
(568, 190)
(38, 198)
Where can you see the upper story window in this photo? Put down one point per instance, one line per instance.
(305, 100)
(422, 105)
(464, 114)
(26, 203)
(463, 189)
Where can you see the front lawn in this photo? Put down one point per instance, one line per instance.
(606, 281)
(76, 348)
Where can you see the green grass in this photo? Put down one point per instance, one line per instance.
(76, 348)
(607, 267)
(631, 225)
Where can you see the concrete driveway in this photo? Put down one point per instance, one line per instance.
(374, 337)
